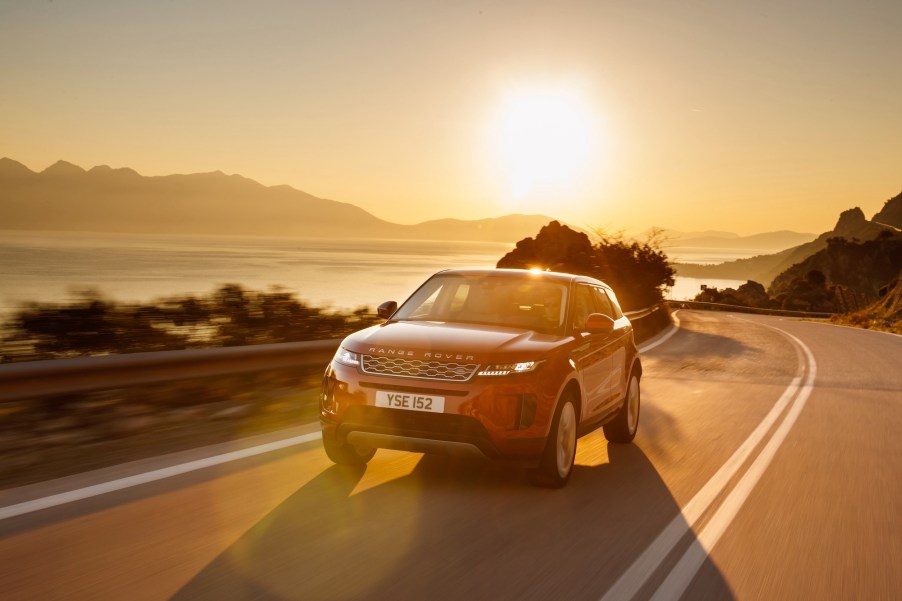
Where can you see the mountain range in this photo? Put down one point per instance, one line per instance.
(774, 241)
(66, 197)
(852, 225)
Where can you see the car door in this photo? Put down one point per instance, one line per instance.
(613, 348)
(591, 359)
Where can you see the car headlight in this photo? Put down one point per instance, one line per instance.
(346, 357)
(504, 369)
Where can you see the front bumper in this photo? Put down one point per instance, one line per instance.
(506, 417)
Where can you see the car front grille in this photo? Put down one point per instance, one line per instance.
(414, 368)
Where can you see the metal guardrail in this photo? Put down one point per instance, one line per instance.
(642, 312)
(83, 374)
(742, 309)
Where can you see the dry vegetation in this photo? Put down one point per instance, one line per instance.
(885, 314)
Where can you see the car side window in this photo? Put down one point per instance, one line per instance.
(602, 302)
(583, 304)
(618, 313)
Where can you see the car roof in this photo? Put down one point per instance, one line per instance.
(551, 276)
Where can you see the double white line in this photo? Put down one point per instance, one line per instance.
(676, 582)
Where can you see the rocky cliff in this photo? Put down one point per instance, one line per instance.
(852, 225)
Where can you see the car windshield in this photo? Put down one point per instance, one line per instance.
(527, 302)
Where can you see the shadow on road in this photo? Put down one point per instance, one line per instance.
(734, 352)
(453, 530)
(707, 344)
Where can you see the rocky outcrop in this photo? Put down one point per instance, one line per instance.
(891, 213)
(850, 220)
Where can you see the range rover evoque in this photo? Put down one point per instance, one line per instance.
(501, 363)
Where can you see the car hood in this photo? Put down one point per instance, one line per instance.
(429, 340)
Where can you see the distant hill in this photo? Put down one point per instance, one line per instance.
(852, 225)
(864, 267)
(66, 197)
(780, 240)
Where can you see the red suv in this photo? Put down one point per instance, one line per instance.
(502, 363)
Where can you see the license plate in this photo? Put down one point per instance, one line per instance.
(410, 401)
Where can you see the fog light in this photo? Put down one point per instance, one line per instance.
(528, 404)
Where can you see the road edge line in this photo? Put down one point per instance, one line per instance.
(94, 490)
(629, 583)
(663, 337)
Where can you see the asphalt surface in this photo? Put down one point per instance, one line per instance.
(766, 467)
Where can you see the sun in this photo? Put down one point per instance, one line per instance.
(548, 141)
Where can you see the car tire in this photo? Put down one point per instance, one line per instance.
(347, 454)
(556, 463)
(622, 429)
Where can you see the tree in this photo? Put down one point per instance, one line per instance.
(555, 248)
(816, 278)
(638, 272)
(230, 316)
(809, 293)
(89, 326)
(753, 294)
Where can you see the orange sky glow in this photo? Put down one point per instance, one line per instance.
(739, 116)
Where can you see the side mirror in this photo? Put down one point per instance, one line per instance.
(599, 323)
(386, 309)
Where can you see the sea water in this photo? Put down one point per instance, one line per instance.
(346, 274)
(55, 266)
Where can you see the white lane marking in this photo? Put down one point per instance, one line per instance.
(642, 568)
(664, 337)
(682, 574)
(152, 476)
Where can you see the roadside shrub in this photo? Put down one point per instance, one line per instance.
(230, 316)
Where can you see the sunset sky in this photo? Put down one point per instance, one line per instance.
(741, 116)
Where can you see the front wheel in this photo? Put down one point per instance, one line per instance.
(560, 450)
(347, 454)
(623, 427)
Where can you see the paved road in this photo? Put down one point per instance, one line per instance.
(768, 466)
